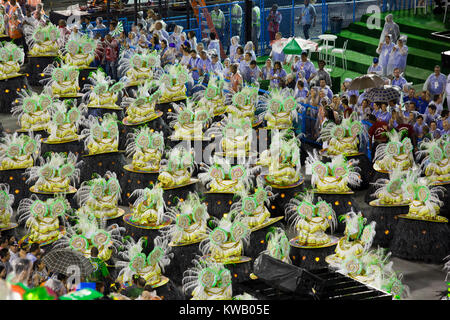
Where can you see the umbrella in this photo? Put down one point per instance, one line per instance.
(385, 94)
(292, 47)
(366, 81)
(62, 261)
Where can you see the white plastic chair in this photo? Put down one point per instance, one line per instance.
(342, 52)
(445, 3)
(424, 6)
(327, 44)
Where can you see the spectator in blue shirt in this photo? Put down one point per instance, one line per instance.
(418, 127)
(193, 65)
(214, 43)
(411, 97)
(216, 65)
(436, 82)
(307, 18)
(305, 67)
(443, 118)
(398, 80)
(251, 73)
(431, 115)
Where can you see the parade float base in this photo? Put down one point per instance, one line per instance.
(258, 236)
(218, 203)
(100, 111)
(36, 67)
(311, 257)
(172, 194)
(283, 195)
(169, 291)
(342, 203)
(150, 232)
(15, 178)
(157, 115)
(75, 146)
(41, 131)
(10, 88)
(47, 246)
(277, 280)
(386, 219)
(85, 71)
(133, 179)
(182, 259)
(100, 163)
(422, 240)
(240, 268)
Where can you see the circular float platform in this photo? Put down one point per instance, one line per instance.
(283, 195)
(257, 243)
(422, 240)
(311, 257)
(172, 194)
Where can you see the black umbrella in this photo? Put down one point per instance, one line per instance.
(64, 260)
(366, 81)
(385, 94)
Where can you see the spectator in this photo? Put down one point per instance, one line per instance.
(101, 272)
(277, 74)
(216, 65)
(227, 69)
(290, 81)
(423, 101)
(411, 97)
(390, 28)
(307, 18)
(239, 55)
(384, 114)
(419, 126)
(437, 102)
(233, 47)
(375, 68)
(4, 260)
(434, 131)
(252, 73)
(256, 25)
(111, 56)
(250, 48)
(322, 74)
(192, 39)
(300, 92)
(40, 274)
(398, 80)
(236, 20)
(445, 127)
(214, 43)
(274, 19)
(313, 98)
(99, 23)
(204, 64)
(186, 57)
(442, 119)
(194, 65)
(236, 78)
(218, 19)
(4, 242)
(305, 67)
(398, 56)
(169, 55)
(266, 70)
(15, 29)
(34, 252)
(323, 86)
(136, 289)
(13, 252)
(431, 115)
(436, 82)
(155, 43)
(384, 50)
(245, 63)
